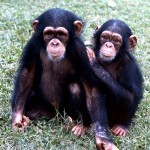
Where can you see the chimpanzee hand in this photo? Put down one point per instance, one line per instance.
(91, 55)
(79, 130)
(104, 144)
(100, 71)
(20, 121)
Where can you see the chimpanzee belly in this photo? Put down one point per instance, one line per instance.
(56, 80)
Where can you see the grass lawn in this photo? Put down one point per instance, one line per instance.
(15, 30)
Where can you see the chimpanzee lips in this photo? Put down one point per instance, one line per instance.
(106, 55)
(55, 54)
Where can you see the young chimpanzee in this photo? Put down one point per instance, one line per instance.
(53, 60)
(120, 74)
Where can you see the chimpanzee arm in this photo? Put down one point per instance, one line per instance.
(127, 88)
(23, 86)
(24, 82)
(25, 76)
(96, 105)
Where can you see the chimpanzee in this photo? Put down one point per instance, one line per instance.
(52, 61)
(120, 74)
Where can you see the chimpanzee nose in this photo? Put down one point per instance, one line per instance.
(109, 44)
(54, 43)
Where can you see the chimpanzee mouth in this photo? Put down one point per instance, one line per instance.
(106, 58)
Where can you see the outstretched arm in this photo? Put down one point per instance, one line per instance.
(110, 85)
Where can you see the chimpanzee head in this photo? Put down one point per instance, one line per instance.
(113, 39)
(57, 27)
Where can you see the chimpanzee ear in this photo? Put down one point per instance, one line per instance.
(34, 25)
(132, 42)
(97, 28)
(78, 27)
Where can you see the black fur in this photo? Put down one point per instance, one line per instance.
(123, 93)
(34, 95)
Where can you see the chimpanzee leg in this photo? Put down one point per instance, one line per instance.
(81, 113)
(120, 119)
(72, 100)
(36, 108)
(84, 114)
(76, 108)
(78, 103)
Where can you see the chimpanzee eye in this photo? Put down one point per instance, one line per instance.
(60, 34)
(116, 41)
(104, 38)
(48, 35)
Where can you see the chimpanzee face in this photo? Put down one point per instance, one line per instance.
(111, 43)
(56, 41)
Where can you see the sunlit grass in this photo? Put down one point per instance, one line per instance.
(15, 29)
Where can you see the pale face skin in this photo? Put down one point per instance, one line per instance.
(56, 41)
(111, 43)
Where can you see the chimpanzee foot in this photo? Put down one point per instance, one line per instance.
(104, 144)
(119, 130)
(79, 130)
(20, 122)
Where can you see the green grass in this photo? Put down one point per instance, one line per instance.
(15, 30)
